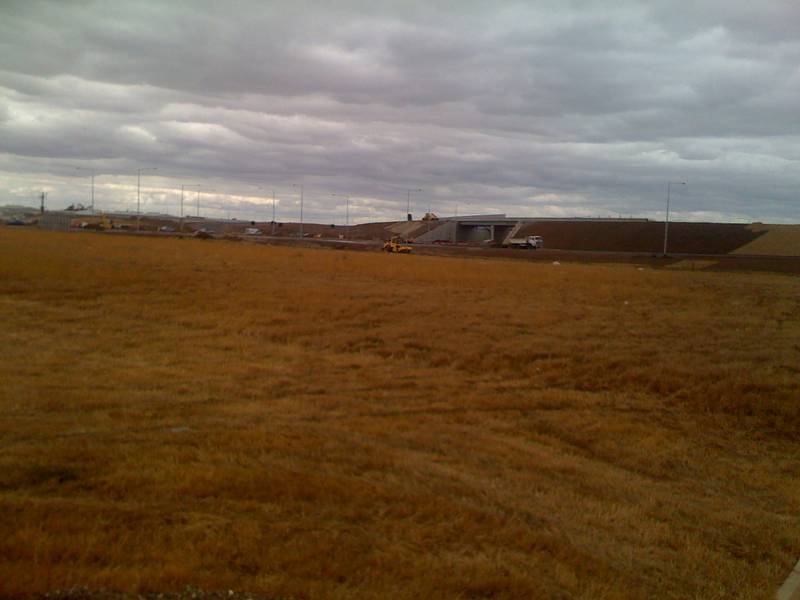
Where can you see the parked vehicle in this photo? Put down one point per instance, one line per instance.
(532, 241)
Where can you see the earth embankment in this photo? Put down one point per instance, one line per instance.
(643, 236)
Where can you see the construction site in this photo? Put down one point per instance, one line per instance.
(289, 419)
(725, 246)
(399, 300)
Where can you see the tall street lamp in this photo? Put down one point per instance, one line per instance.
(429, 214)
(198, 199)
(139, 194)
(273, 208)
(92, 173)
(273, 212)
(408, 202)
(666, 220)
(183, 190)
(346, 209)
(300, 185)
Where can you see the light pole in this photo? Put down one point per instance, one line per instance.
(183, 189)
(273, 212)
(666, 220)
(273, 208)
(92, 173)
(408, 202)
(430, 212)
(347, 208)
(300, 185)
(198, 199)
(139, 194)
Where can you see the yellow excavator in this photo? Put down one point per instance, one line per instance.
(397, 246)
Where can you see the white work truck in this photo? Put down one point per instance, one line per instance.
(532, 241)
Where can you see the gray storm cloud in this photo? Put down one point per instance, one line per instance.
(529, 108)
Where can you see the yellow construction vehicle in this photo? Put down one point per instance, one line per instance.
(397, 246)
(101, 224)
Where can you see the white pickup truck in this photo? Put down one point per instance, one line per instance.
(532, 241)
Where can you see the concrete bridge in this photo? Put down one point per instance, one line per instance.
(497, 229)
(478, 228)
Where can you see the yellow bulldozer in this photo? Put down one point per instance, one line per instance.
(397, 245)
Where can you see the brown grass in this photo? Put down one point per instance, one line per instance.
(781, 240)
(324, 424)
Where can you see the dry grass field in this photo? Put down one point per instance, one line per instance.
(327, 424)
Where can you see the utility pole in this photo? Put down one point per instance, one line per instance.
(43, 196)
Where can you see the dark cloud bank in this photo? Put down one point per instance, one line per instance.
(528, 108)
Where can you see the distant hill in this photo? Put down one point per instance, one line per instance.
(15, 209)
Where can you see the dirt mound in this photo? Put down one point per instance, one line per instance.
(410, 229)
(642, 236)
(372, 231)
(366, 231)
(405, 228)
(774, 240)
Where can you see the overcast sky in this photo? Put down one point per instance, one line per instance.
(528, 108)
